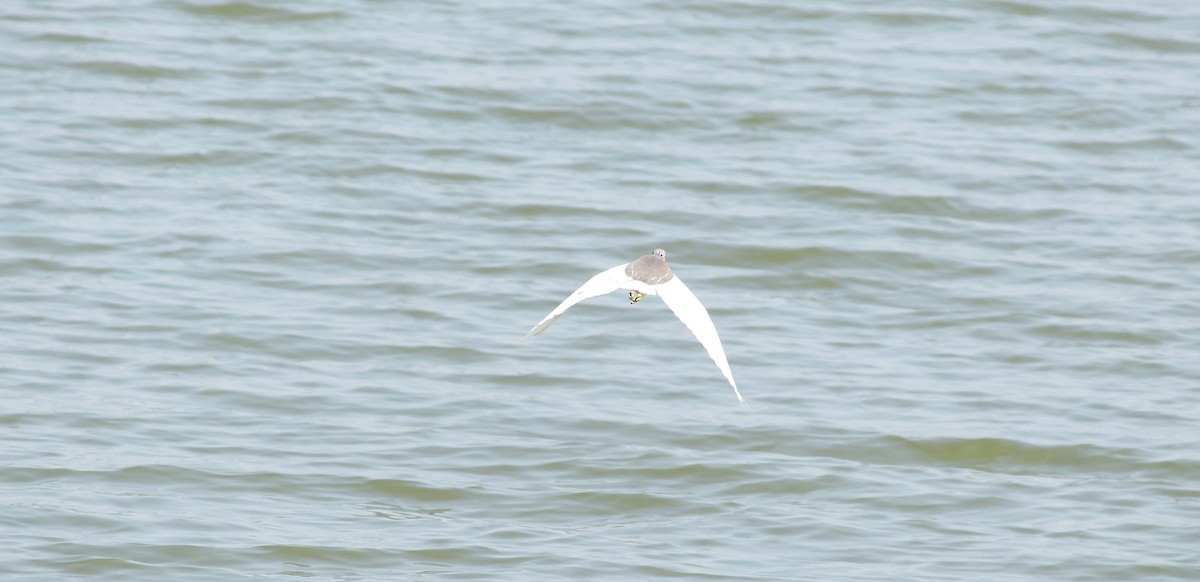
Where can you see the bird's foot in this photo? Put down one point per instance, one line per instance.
(635, 296)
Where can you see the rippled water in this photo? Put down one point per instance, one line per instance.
(263, 266)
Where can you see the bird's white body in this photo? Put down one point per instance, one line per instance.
(650, 275)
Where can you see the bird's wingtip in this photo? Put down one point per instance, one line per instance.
(532, 332)
(741, 401)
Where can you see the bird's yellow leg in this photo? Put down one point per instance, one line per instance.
(635, 296)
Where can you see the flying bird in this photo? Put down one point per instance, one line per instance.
(650, 275)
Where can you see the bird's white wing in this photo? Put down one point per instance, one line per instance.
(605, 282)
(692, 313)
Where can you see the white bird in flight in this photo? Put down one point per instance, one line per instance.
(650, 275)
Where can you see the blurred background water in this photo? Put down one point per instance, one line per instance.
(263, 266)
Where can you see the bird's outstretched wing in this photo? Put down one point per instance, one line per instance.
(692, 313)
(605, 282)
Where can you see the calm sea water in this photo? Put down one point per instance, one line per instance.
(263, 266)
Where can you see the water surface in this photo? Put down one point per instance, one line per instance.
(263, 266)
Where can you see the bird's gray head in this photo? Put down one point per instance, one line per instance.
(660, 254)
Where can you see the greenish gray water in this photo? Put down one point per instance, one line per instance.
(263, 266)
